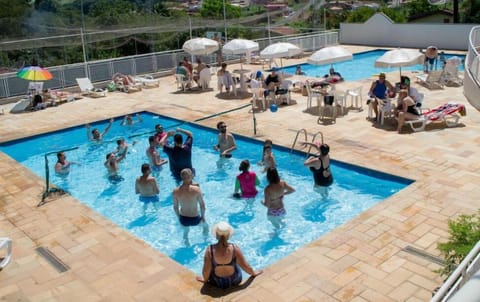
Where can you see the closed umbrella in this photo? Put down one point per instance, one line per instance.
(200, 46)
(280, 50)
(400, 57)
(34, 73)
(330, 55)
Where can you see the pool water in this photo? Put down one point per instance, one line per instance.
(309, 215)
(361, 67)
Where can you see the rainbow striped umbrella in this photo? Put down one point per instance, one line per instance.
(34, 73)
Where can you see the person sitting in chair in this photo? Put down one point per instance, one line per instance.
(378, 90)
(406, 109)
(272, 82)
(38, 103)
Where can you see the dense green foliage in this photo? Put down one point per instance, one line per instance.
(214, 8)
(464, 234)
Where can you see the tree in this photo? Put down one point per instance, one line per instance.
(464, 234)
(46, 5)
(112, 12)
(214, 8)
(11, 19)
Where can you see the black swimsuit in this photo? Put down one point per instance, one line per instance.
(318, 177)
(229, 281)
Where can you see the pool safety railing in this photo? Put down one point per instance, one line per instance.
(314, 137)
(48, 189)
(460, 276)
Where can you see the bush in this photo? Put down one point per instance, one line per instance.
(464, 234)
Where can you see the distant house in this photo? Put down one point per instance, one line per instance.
(441, 16)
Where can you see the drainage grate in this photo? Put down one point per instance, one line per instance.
(417, 252)
(52, 259)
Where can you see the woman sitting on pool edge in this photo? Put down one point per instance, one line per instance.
(246, 181)
(223, 260)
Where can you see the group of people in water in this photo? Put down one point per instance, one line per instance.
(223, 260)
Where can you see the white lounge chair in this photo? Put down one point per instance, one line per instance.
(87, 89)
(7, 244)
(21, 106)
(147, 81)
(450, 75)
(431, 80)
(448, 113)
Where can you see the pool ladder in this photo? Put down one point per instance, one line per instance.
(304, 131)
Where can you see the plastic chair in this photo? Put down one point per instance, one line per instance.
(355, 95)
(385, 109)
(312, 94)
(284, 91)
(340, 100)
(6, 243)
(257, 91)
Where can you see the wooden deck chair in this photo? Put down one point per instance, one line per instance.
(431, 80)
(87, 89)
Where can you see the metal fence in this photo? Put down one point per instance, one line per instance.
(159, 63)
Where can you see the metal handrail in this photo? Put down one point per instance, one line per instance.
(460, 275)
(304, 131)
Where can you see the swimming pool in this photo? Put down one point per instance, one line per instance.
(361, 67)
(309, 216)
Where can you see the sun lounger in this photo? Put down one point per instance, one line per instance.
(147, 81)
(431, 80)
(21, 106)
(87, 89)
(448, 113)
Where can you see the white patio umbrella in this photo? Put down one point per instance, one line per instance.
(330, 55)
(240, 47)
(200, 46)
(400, 57)
(280, 50)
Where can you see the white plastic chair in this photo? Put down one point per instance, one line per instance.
(182, 81)
(312, 94)
(204, 78)
(285, 92)
(340, 100)
(385, 109)
(7, 244)
(355, 95)
(257, 91)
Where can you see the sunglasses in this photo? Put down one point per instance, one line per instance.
(223, 127)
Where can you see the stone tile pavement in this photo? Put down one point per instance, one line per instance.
(362, 260)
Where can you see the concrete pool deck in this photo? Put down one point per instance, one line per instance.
(362, 260)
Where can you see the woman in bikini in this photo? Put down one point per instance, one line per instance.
(223, 260)
(274, 193)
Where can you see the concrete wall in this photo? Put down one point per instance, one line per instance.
(381, 31)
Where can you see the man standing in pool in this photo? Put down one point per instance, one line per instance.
(186, 200)
(226, 141)
(62, 167)
(95, 135)
(111, 163)
(179, 154)
(153, 155)
(146, 185)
